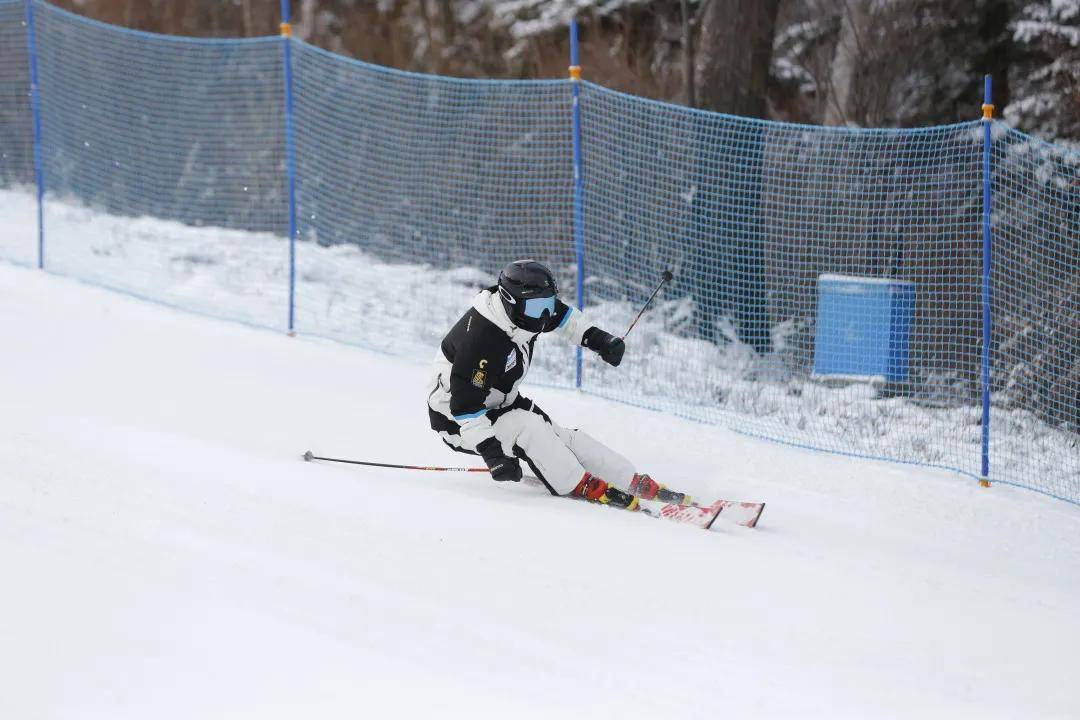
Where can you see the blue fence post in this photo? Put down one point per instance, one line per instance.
(579, 220)
(988, 117)
(290, 155)
(35, 110)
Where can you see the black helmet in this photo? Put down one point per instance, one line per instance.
(528, 292)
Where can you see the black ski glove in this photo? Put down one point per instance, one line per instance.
(502, 468)
(607, 346)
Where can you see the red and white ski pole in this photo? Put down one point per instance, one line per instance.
(666, 277)
(309, 456)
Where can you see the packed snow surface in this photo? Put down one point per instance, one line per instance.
(166, 553)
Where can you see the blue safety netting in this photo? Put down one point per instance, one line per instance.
(141, 124)
(417, 168)
(149, 135)
(827, 286)
(16, 132)
(18, 242)
(1035, 361)
(753, 217)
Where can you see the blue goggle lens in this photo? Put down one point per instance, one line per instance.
(535, 307)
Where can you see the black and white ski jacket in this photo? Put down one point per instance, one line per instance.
(481, 363)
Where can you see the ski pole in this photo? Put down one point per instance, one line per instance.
(309, 456)
(666, 277)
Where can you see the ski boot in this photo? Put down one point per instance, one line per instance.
(594, 489)
(648, 489)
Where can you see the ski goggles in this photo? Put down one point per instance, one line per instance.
(535, 307)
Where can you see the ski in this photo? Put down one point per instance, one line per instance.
(746, 514)
(739, 513)
(694, 515)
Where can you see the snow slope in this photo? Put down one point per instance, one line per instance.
(165, 553)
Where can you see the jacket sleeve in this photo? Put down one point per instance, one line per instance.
(470, 383)
(569, 322)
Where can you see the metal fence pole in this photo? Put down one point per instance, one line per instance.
(579, 220)
(35, 110)
(290, 154)
(988, 117)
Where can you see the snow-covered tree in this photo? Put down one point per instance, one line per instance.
(1045, 79)
(888, 62)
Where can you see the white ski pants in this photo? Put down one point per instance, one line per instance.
(560, 456)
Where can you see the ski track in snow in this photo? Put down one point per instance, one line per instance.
(166, 553)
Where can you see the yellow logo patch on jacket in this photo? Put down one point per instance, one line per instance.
(479, 378)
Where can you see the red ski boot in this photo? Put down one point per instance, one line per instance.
(594, 489)
(648, 489)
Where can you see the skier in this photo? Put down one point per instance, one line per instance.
(475, 406)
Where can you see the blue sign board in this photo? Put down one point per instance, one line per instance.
(863, 327)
